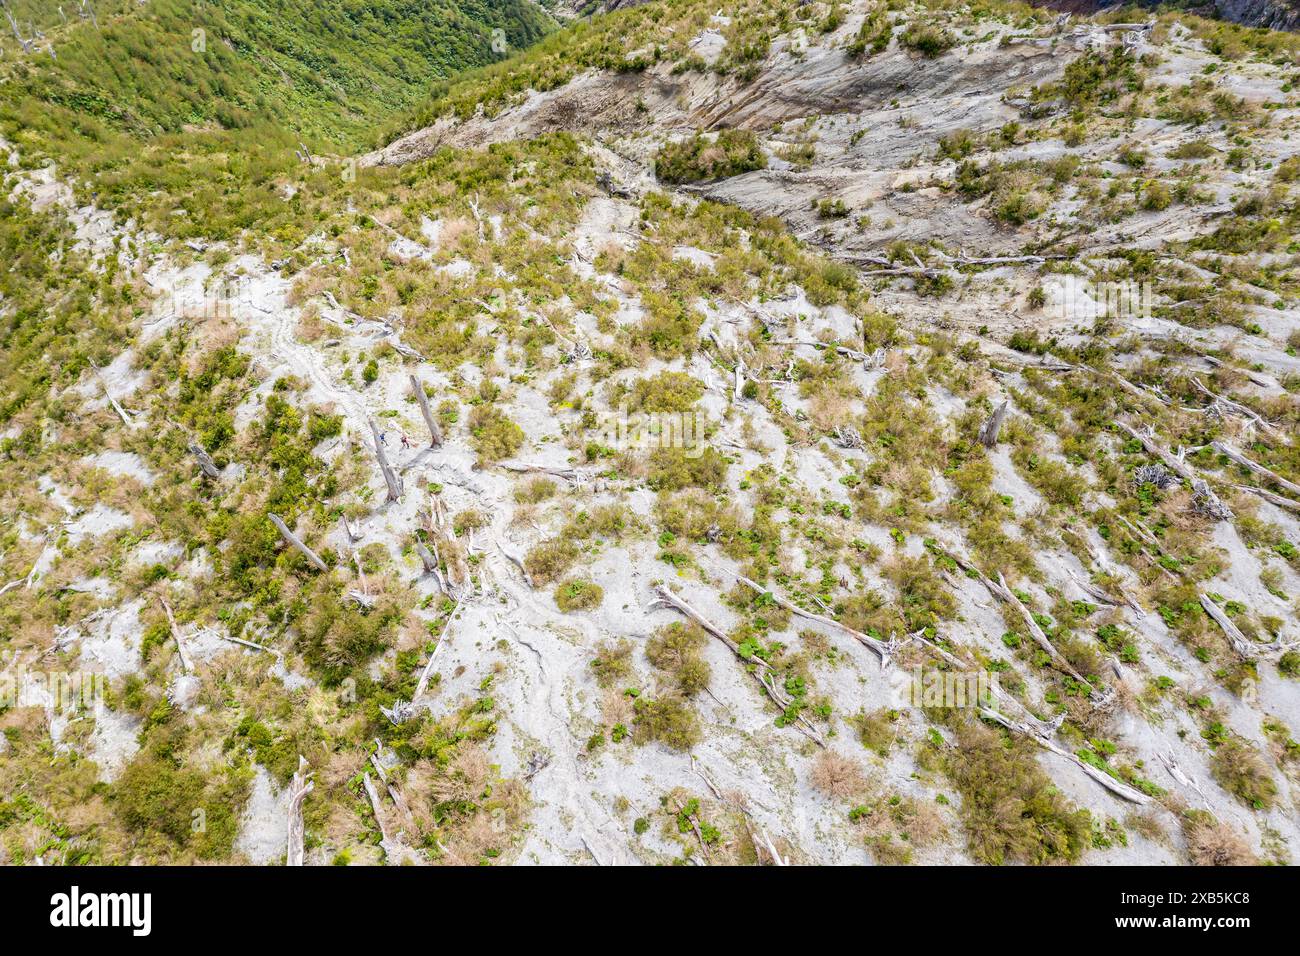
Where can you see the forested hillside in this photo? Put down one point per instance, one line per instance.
(143, 96)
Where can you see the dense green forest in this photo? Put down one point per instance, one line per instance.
(141, 98)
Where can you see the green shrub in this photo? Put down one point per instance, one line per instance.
(676, 649)
(578, 594)
(550, 559)
(672, 469)
(1012, 811)
(612, 664)
(729, 153)
(927, 39)
(668, 720)
(493, 435)
(1239, 769)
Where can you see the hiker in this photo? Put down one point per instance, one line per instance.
(406, 442)
(383, 438)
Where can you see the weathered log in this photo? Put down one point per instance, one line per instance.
(206, 464)
(1205, 500)
(294, 540)
(1253, 466)
(435, 433)
(520, 468)
(1245, 649)
(347, 529)
(1174, 463)
(988, 434)
(878, 647)
(757, 834)
(762, 671)
(365, 601)
(403, 710)
(1271, 498)
(391, 477)
(1003, 592)
(1132, 794)
(176, 636)
(1227, 404)
(299, 787)
(426, 557)
(398, 800)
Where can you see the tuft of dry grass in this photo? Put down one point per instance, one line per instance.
(1211, 843)
(837, 776)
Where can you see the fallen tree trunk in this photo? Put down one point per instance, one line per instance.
(426, 558)
(299, 787)
(394, 851)
(762, 670)
(1174, 463)
(294, 540)
(1222, 401)
(1270, 497)
(1205, 500)
(1245, 649)
(1253, 466)
(206, 464)
(391, 478)
(1117, 787)
(398, 800)
(435, 433)
(1002, 592)
(176, 636)
(568, 474)
(757, 834)
(881, 649)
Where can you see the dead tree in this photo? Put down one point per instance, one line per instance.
(395, 852)
(989, 430)
(294, 540)
(348, 533)
(757, 835)
(299, 787)
(1246, 649)
(846, 436)
(762, 671)
(25, 44)
(435, 433)
(1002, 592)
(1132, 794)
(1205, 501)
(426, 557)
(206, 464)
(391, 477)
(176, 636)
(880, 648)
(398, 800)
(1255, 467)
(1271, 498)
(1221, 403)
